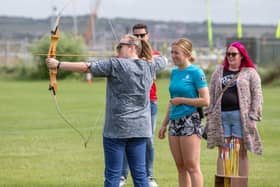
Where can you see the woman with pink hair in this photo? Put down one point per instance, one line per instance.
(235, 107)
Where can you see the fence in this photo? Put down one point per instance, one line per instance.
(263, 51)
(13, 52)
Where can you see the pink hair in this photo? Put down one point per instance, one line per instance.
(246, 60)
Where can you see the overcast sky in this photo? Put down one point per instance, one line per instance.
(222, 11)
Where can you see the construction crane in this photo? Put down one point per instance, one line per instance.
(89, 33)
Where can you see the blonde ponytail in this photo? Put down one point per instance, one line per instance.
(143, 48)
(146, 51)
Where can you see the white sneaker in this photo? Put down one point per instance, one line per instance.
(122, 181)
(152, 182)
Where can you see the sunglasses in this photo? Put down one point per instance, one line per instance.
(140, 35)
(233, 54)
(120, 45)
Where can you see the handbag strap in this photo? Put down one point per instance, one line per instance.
(228, 84)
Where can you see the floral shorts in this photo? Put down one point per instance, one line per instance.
(186, 126)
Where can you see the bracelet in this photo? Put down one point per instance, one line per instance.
(58, 65)
(88, 66)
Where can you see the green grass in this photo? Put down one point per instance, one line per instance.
(37, 149)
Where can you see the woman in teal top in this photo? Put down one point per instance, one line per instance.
(185, 83)
(188, 91)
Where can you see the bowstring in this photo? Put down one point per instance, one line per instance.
(113, 30)
(110, 22)
(62, 116)
(93, 128)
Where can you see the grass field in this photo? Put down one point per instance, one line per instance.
(37, 149)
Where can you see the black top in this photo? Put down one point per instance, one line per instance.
(230, 97)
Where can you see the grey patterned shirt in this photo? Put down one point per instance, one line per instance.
(127, 96)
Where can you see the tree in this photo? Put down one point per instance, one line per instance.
(67, 45)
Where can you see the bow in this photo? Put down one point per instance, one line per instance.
(52, 54)
(53, 74)
(53, 82)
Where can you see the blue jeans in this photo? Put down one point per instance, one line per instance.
(150, 146)
(150, 143)
(114, 151)
(232, 124)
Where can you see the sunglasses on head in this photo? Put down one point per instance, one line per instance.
(140, 35)
(233, 54)
(120, 45)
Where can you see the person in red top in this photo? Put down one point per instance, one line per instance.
(141, 31)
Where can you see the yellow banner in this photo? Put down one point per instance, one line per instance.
(277, 33)
(239, 25)
(210, 32)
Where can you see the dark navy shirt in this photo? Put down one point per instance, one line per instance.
(230, 96)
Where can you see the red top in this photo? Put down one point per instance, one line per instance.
(153, 91)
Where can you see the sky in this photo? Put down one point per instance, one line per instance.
(222, 11)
